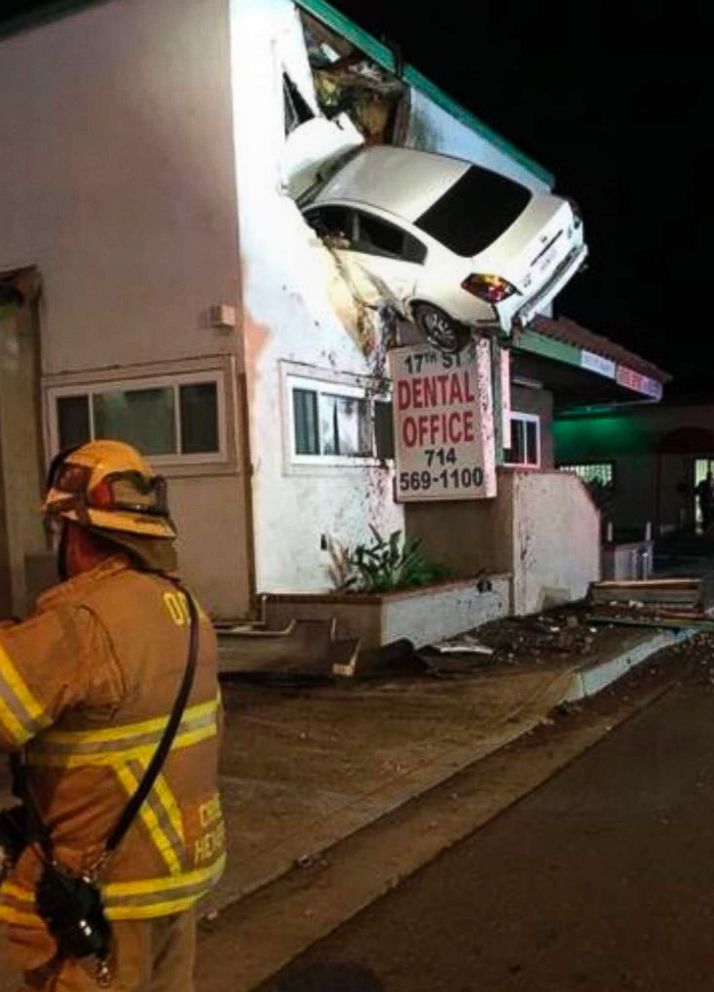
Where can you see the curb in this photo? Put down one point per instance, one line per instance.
(591, 679)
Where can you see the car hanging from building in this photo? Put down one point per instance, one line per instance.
(455, 247)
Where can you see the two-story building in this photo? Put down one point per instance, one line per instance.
(158, 283)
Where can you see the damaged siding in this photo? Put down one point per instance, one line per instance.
(433, 129)
(297, 312)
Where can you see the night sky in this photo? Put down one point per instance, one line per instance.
(613, 98)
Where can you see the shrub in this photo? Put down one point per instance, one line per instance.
(384, 564)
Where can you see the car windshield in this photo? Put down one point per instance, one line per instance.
(475, 211)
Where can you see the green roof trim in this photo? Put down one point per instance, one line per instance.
(538, 344)
(384, 56)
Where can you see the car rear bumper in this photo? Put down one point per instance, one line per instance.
(561, 276)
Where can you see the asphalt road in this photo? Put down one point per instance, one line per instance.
(602, 879)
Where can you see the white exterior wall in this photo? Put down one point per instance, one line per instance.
(433, 129)
(291, 291)
(556, 539)
(116, 181)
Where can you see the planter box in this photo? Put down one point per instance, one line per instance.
(424, 615)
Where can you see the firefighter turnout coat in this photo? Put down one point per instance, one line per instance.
(87, 684)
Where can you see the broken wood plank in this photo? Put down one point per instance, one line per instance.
(662, 623)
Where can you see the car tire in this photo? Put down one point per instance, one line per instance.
(441, 331)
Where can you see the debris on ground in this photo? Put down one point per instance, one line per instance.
(466, 644)
(675, 603)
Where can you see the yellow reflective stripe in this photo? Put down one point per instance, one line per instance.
(117, 890)
(161, 841)
(127, 731)
(148, 912)
(20, 713)
(16, 892)
(17, 732)
(10, 915)
(18, 685)
(170, 806)
(116, 759)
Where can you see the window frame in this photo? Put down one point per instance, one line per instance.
(175, 381)
(331, 388)
(527, 418)
(572, 466)
(406, 236)
(314, 209)
(354, 217)
(340, 383)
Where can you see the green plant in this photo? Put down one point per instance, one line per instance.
(385, 564)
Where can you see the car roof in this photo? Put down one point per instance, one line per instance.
(403, 181)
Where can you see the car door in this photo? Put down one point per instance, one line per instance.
(390, 257)
(380, 261)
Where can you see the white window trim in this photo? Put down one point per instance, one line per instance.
(528, 418)
(331, 387)
(153, 382)
(574, 466)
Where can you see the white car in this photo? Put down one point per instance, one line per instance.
(455, 247)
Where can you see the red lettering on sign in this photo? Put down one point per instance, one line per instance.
(454, 428)
(417, 393)
(430, 391)
(455, 395)
(429, 429)
(409, 432)
(403, 395)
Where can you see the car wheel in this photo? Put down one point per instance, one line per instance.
(441, 330)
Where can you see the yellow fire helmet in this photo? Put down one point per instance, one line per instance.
(108, 485)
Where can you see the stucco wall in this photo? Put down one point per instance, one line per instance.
(542, 528)
(556, 546)
(433, 129)
(117, 183)
(467, 537)
(296, 310)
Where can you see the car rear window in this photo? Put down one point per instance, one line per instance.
(475, 211)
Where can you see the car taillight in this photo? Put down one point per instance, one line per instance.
(490, 288)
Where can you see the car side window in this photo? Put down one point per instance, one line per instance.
(377, 237)
(335, 224)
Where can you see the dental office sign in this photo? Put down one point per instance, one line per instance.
(443, 424)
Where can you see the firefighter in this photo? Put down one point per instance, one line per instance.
(87, 684)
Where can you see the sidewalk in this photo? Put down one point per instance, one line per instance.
(303, 769)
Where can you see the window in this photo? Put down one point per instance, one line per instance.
(599, 474)
(475, 211)
(365, 233)
(333, 224)
(165, 419)
(331, 422)
(525, 441)
(377, 237)
(297, 109)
